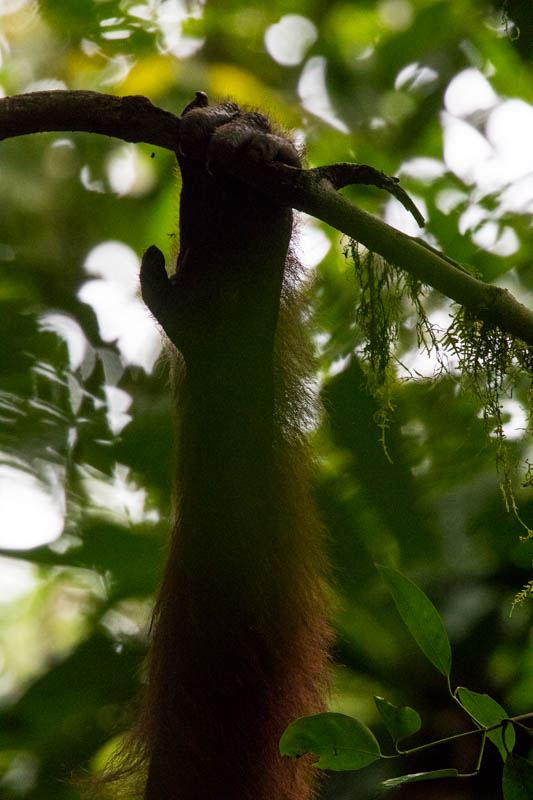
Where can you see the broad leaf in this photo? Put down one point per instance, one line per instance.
(517, 778)
(420, 616)
(400, 721)
(488, 712)
(341, 742)
(414, 777)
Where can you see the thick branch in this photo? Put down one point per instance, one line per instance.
(135, 119)
(315, 195)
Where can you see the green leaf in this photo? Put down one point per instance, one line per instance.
(420, 616)
(341, 742)
(400, 721)
(487, 712)
(517, 778)
(414, 777)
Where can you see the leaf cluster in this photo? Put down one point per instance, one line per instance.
(345, 743)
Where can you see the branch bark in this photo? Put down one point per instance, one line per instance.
(136, 119)
(133, 118)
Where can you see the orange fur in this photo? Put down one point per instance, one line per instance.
(239, 635)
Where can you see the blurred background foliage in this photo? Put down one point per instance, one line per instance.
(436, 92)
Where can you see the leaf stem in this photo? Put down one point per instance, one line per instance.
(483, 730)
(439, 741)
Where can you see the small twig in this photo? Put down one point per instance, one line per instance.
(344, 174)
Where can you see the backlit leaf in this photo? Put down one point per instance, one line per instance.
(414, 777)
(420, 616)
(517, 778)
(341, 742)
(400, 721)
(488, 712)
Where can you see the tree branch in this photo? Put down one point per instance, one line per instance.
(302, 190)
(135, 119)
(340, 175)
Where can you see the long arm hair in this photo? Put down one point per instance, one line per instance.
(239, 633)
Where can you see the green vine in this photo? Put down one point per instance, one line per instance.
(345, 743)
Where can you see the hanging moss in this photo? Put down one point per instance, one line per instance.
(491, 363)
